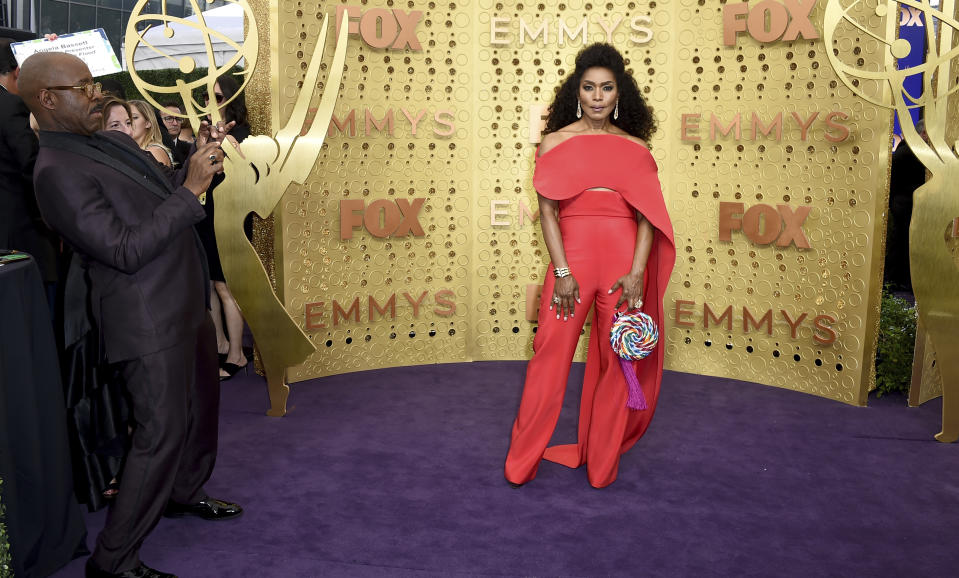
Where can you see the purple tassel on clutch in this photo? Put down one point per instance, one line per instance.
(635, 399)
(634, 336)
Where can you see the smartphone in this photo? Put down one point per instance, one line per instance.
(9, 257)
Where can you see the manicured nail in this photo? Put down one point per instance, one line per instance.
(557, 316)
(610, 292)
(572, 315)
(565, 318)
(578, 300)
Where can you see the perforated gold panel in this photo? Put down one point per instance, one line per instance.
(399, 145)
(484, 74)
(841, 180)
(517, 79)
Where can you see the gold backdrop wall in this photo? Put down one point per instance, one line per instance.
(415, 240)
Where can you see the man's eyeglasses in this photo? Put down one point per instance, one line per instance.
(217, 95)
(89, 88)
(170, 119)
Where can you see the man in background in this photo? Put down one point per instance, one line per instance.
(170, 115)
(21, 227)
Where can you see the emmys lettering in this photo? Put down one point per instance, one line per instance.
(382, 218)
(822, 331)
(316, 313)
(503, 31)
(768, 21)
(381, 27)
(501, 209)
(538, 112)
(833, 130)
(763, 224)
(441, 125)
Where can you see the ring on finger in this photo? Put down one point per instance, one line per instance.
(556, 299)
(638, 303)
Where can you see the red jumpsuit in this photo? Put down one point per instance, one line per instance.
(599, 237)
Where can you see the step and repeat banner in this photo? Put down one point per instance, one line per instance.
(416, 238)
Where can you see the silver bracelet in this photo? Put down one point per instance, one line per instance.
(561, 272)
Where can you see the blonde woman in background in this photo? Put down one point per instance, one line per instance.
(147, 132)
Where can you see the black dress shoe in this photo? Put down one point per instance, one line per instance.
(208, 509)
(141, 571)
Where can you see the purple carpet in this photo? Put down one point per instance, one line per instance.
(399, 473)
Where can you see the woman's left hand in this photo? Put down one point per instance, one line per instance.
(632, 286)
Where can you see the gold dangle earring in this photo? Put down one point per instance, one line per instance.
(579, 109)
(616, 110)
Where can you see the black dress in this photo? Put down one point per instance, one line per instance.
(907, 175)
(205, 227)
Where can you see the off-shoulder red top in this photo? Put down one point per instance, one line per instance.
(614, 162)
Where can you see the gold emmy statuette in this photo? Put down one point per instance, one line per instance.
(258, 173)
(935, 276)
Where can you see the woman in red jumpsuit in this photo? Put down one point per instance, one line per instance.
(611, 245)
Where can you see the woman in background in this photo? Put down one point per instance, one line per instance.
(147, 132)
(226, 313)
(610, 241)
(116, 116)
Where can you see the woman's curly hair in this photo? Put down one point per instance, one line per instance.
(634, 116)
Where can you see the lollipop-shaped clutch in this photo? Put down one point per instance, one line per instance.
(633, 337)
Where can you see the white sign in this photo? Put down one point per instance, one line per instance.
(92, 47)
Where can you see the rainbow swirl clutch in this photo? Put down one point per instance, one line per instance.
(634, 336)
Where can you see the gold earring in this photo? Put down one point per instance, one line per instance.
(579, 109)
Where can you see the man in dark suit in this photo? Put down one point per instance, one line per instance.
(174, 126)
(133, 224)
(20, 225)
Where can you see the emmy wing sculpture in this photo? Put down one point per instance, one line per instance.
(935, 276)
(258, 173)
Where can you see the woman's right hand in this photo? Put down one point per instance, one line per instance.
(565, 297)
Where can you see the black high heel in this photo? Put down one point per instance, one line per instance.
(112, 489)
(232, 369)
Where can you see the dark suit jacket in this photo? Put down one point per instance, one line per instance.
(20, 225)
(181, 151)
(133, 225)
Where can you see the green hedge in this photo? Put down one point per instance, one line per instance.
(163, 77)
(6, 563)
(897, 343)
